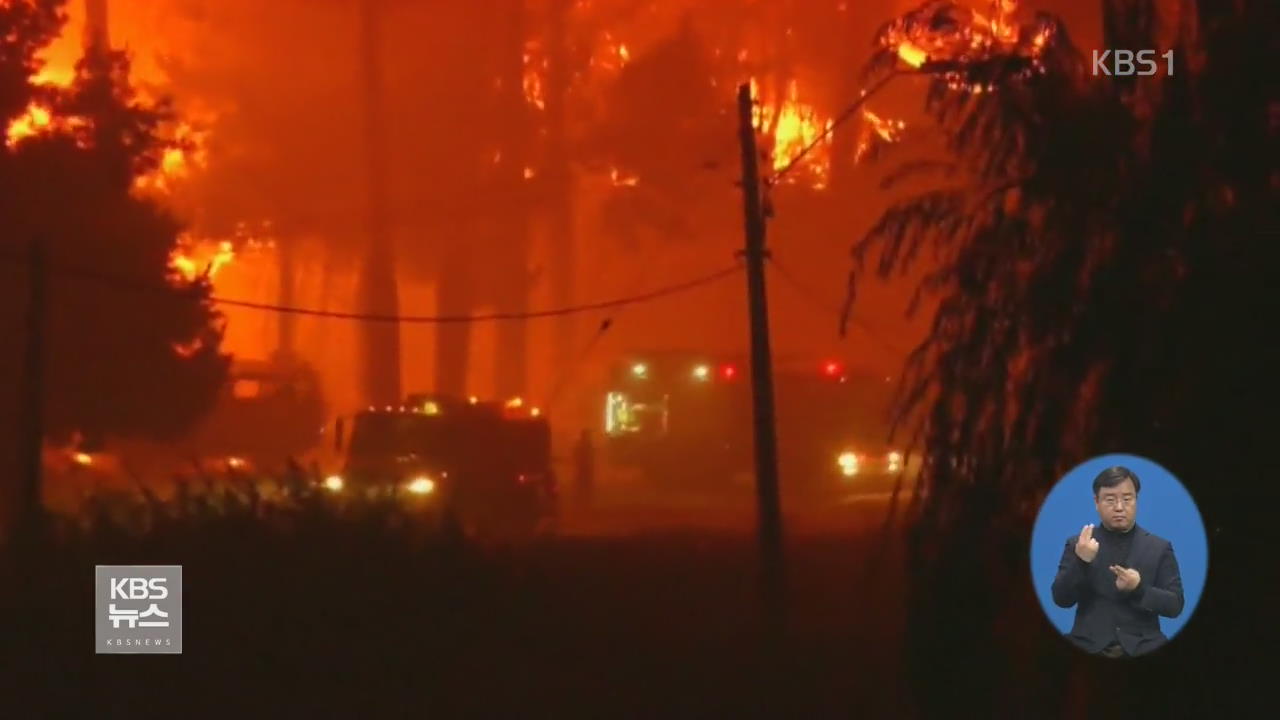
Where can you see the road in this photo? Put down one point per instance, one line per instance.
(628, 507)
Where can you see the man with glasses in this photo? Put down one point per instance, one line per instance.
(1119, 576)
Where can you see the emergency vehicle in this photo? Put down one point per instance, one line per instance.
(687, 418)
(488, 463)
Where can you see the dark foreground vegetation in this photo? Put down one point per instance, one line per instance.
(308, 607)
(304, 607)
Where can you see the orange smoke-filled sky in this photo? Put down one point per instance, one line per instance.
(250, 69)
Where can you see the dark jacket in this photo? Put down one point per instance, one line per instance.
(1105, 614)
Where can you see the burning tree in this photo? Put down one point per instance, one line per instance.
(131, 346)
(1098, 249)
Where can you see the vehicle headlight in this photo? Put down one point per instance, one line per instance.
(895, 461)
(848, 463)
(421, 485)
(333, 483)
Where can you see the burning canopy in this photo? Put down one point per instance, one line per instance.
(971, 50)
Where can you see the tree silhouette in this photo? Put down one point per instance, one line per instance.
(130, 348)
(1100, 251)
(28, 27)
(662, 118)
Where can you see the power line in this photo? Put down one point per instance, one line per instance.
(572, 371)
(815, 299)
(527, 315)
(122, 282)
(568, 373)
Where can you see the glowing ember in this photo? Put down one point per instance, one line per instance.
(888, 130)
(188, 349)
(534, 67)
(911, 54)
(620, 179)
(612, 56)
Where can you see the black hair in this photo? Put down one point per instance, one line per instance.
(1113, 476)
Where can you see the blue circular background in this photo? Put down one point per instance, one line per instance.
(1164, 507)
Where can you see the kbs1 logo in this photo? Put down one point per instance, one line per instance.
(1125, 63)
(138, 609)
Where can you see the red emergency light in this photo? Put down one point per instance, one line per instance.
(832, 369)
(728, 372)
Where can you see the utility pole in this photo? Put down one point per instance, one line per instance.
(30, 520)
(766, 444)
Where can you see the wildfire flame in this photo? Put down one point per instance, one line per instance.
(38, 118)
(889, 130)
(878, 129)
(795, 127)
(799, 125)
(54, 76)
(179, 161)
(35, 120)
(951, 34)
(57, 71)
(193, 259)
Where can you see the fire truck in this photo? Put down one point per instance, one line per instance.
(486, 463)
(686, 418)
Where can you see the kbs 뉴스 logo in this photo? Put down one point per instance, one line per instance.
(138, 609)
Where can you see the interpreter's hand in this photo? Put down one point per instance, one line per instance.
(1086, 546)
(1127, 579)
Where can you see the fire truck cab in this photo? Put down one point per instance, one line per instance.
(677, 417)
(487, 463)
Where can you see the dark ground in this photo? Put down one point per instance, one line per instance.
(356, 616)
